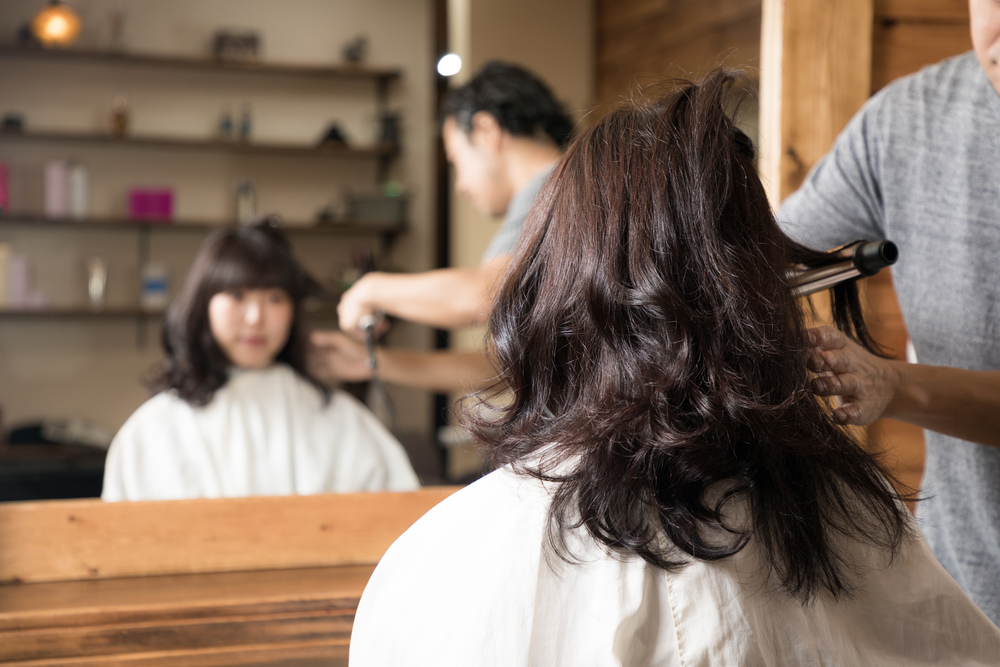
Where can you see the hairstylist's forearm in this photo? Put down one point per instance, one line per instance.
(960, 403)
(444, 371)
(444, 298)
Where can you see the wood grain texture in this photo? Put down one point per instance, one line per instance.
(211, 619)
(645, 41)
(161, 599)
(815, 74)
(923, 10)
(88, 539)
(135, 638)
(901, 48)
(333, 652)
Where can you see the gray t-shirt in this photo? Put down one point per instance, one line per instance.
(920, 165)
(505, 239)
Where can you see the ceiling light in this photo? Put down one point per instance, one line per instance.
(449, 65)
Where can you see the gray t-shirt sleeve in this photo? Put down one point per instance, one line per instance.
(505, 239)
(840, 200)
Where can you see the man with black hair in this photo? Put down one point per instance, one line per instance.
(503, 132)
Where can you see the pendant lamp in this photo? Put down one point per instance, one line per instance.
(57, 25)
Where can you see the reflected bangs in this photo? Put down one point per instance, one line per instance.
(250, 265)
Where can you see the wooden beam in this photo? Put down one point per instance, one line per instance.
(89, 539)
(815, 74)
(903, 47)
(923, 10)
(642, 42)
(737, 45)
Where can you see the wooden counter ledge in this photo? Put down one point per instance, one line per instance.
(169, 596)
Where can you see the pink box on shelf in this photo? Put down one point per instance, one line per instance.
(151, 204)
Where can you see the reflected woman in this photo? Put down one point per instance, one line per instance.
(671, 493)
(237, 413)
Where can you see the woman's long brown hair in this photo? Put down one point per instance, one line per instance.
(256, 256)
(655, 358)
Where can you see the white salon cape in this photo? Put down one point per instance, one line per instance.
(265, 433)
(470, 585)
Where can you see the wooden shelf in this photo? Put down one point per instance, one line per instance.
(78, 312)
(339, 228)
(379, 74)
(310, 309)
(227, 618)
(229, 146)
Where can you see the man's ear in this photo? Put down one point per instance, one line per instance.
(486, 131)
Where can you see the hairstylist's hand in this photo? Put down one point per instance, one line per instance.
(359, 301)
(863, 384)
(336, 356)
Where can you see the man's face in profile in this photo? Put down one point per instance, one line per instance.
(477, 161)
(985, 28)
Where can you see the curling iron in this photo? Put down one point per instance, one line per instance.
(369, 324)
(861, 258)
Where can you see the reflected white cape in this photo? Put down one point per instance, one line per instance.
(265, 432)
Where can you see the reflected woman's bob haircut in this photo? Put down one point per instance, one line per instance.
(654, 358)
(256, 256)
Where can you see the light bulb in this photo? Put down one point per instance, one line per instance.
(449, 65)
(56, 25)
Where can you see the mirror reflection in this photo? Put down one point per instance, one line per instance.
(400, 150)
(237, 412)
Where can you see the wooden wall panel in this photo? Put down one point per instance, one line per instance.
(903, 47)
(815, 74)
(643, 41)
(923, 10)
(89, 539)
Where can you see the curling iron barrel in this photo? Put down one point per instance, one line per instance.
(861, 258)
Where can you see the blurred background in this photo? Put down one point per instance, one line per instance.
(130, 129)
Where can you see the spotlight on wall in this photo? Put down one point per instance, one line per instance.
(449, 65)
(56, 25)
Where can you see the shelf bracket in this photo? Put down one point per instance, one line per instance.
(142, 254)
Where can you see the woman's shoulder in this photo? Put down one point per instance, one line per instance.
(485, 511)
(158, 410)
(469, 565)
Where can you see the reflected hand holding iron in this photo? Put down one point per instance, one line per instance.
(336, 357)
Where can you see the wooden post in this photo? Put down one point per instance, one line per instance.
(816, 62)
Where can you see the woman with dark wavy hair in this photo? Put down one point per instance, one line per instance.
(237, 413)
(670, 491)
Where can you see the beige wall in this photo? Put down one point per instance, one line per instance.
(90, 368)
(554, 39)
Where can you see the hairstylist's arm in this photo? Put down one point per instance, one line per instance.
(444, 298)
(960, 403)
(336, 356)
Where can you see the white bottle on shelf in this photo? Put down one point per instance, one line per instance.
(79, 191)
(18, 280)
(155, 294)
(246, 202)
(56, 189)
(5, 252)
